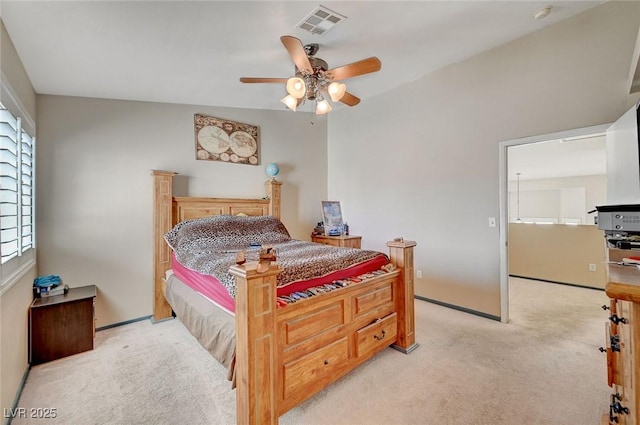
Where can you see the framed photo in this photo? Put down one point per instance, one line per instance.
(218, 139)
(332, 218)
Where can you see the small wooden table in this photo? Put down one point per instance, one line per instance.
(347, 241)
(62, 325)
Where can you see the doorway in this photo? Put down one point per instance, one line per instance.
(504, 170)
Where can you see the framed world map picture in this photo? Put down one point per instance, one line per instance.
(218, 139)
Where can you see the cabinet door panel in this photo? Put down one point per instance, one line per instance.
(60, 330)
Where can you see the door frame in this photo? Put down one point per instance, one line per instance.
(504, 199)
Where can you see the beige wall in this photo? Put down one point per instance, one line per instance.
(94, 209)
(558, 253)
(14, 320)
(422, 161)
(595, 190)
(18, 95)
(23, 96)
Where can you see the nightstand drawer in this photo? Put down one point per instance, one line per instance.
(332, 242)
(345, 241)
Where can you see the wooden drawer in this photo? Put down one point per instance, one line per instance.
(315, 370)
(379, 297)
(344, 241)
(313, 323)
(377, 336)
(332, 242)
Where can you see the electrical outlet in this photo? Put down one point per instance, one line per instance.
(419, 274)
(592, 267)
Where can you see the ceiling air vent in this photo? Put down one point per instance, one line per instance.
(321, 20)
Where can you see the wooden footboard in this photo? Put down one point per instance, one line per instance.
(286, 355)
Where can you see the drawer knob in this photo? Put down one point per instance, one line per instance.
(616, 408)
(326, 361)
(615, 343)
(606, 307)
(381, 337)
(602, 349)
(619, 408)
(615, 319)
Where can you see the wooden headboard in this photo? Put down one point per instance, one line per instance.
(169, 211)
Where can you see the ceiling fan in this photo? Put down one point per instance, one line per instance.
(314, 80)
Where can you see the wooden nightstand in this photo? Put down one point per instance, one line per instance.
(350, 241)
(62, 325)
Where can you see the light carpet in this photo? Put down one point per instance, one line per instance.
(542, 368)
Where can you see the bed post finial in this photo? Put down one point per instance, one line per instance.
(162, 223)
(273, 193)
(401, 254)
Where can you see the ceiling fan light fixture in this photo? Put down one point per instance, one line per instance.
(336, 91)
(322, 107)
(313, 80)
(296, 87)
(290, 101)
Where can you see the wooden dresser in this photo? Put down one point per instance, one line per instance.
(347, 241)
(623, 340)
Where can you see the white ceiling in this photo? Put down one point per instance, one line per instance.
(194, 52)
(558, 158)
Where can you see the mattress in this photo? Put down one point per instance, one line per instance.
(212, 289)
(206, 285)
(210, 245)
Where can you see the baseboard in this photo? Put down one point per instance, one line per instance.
(559, 283)
(126, 322)
(154, 321)
(14, 407)
(457, 307)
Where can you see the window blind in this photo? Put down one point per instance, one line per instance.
(16, 187)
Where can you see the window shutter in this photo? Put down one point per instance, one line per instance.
(16, 187)
(9, 135)
(26, 191)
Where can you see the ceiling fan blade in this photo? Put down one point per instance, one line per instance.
(262, 80)
(349, 99)
(364, 66)
(296, 51)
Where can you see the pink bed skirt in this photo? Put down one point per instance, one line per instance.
(211, 287)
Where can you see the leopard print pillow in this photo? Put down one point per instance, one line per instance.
(226, 232)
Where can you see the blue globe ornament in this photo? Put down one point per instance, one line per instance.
(272, 170)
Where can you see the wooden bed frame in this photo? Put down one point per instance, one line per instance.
(286, 355)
